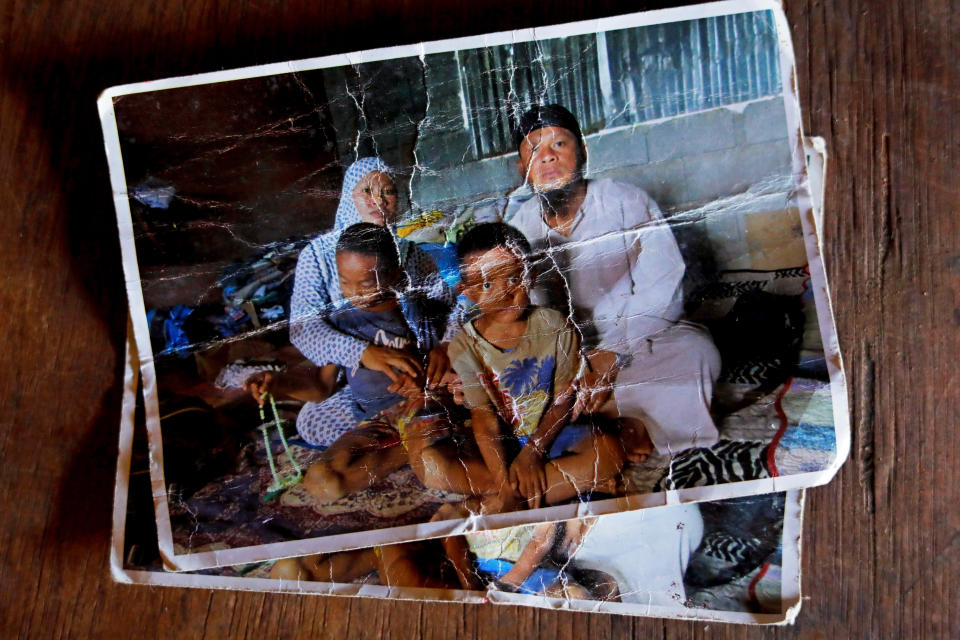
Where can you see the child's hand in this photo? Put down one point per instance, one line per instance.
(596, 385)
(528, 476)
(259, 385)
(573, 536)
(390, 361)
(407, 387)
(438, 365)
(593, 391)
(454, 385)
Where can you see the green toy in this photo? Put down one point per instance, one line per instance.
(280, 483)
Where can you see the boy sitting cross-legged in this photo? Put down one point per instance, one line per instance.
(382, 311)
(518, 363)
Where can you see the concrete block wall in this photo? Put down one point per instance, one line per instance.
(684, 162)
(679, 161)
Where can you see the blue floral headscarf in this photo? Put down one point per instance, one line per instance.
(325, 245)
(347, 214)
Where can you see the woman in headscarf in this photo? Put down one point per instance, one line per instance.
(368, 195)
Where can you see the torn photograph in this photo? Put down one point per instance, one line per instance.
(472, 284)
(733, 561)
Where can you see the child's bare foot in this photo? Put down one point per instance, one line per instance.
(445, 512)
(455, 510)
(637, 445)
(288, 569)
(502, 502)
(323, 483)
(569, 591)
(435, 466)
(611, 485)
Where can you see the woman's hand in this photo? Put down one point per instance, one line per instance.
(390, 361)
(259, 385)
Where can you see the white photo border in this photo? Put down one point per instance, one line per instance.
(339, 542)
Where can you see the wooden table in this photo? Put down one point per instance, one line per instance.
(877, 79)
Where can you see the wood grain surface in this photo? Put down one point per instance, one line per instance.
(877, 79)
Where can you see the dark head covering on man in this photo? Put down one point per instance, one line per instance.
(548, 115)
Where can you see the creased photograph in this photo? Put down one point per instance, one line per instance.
(475, 284)
(732, 561)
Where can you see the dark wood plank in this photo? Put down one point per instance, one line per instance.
(878, 80)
